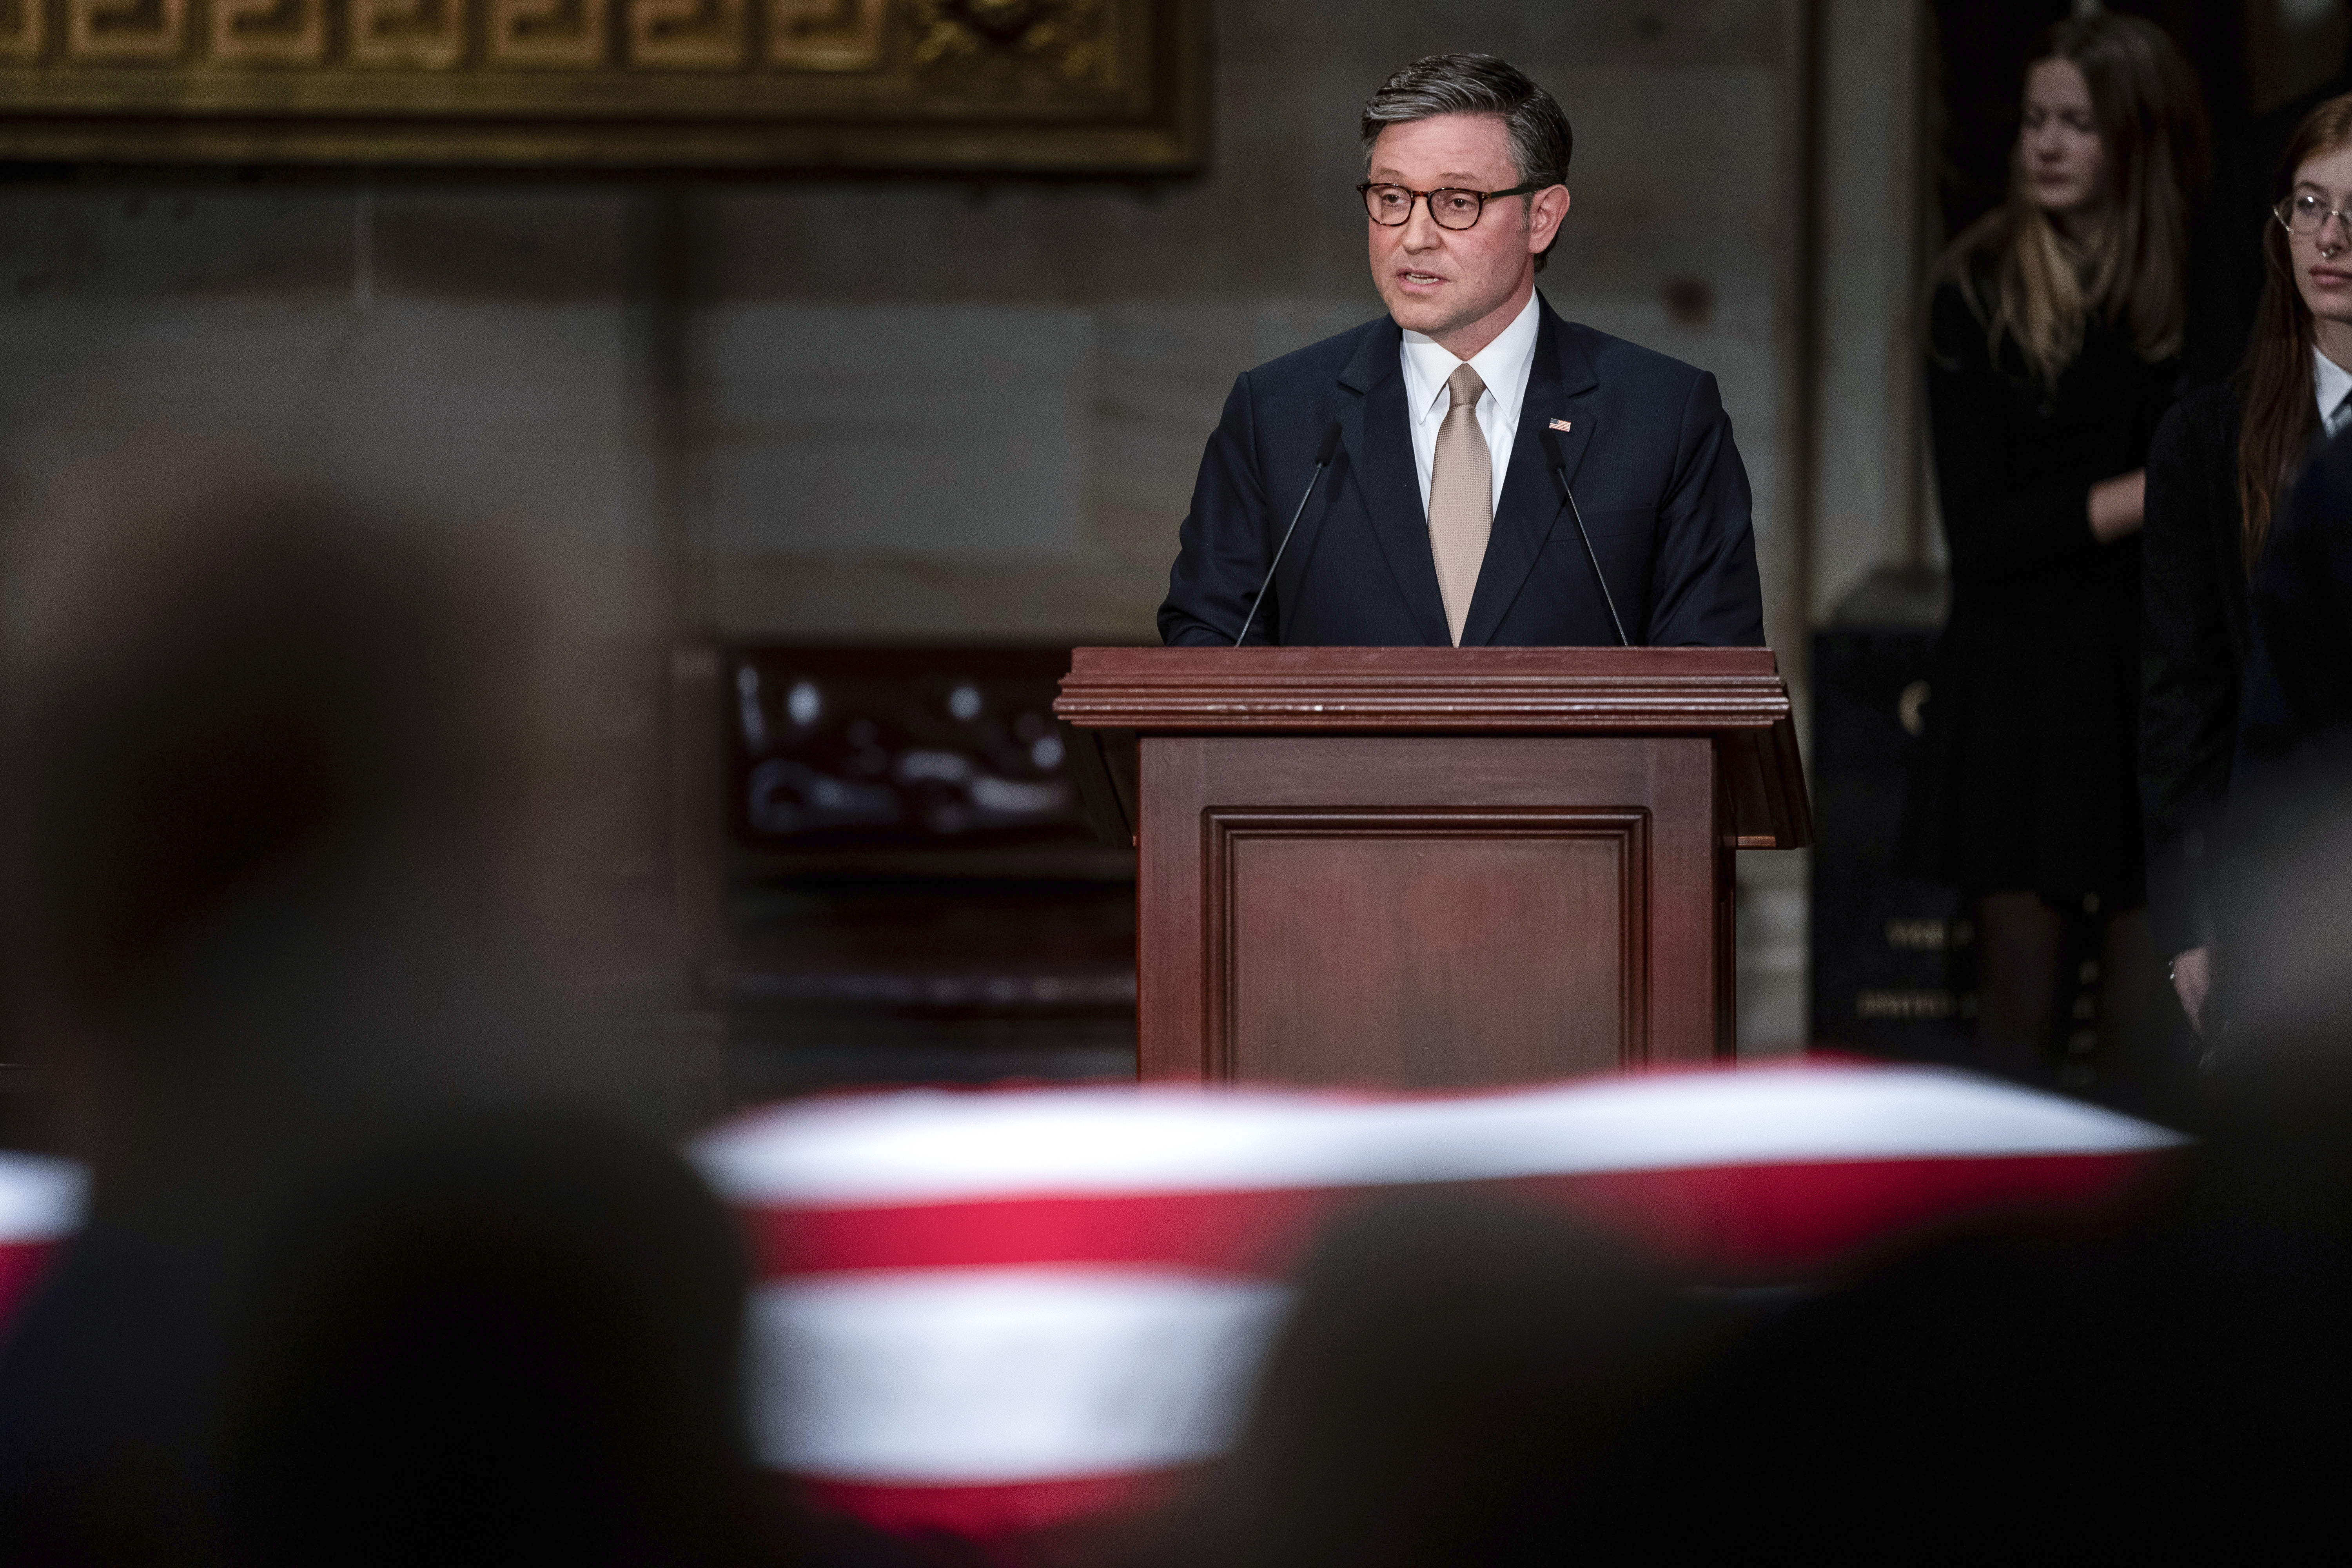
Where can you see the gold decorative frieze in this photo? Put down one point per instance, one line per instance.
(125, 29)
(415, 35)
(1046, 85)
(825, 34)
(1060, 36)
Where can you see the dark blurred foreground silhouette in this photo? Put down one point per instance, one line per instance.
(359, 1286)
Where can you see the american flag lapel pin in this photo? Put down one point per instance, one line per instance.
(1561, 425)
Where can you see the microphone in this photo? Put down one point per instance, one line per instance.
(1323, 455)
(1559, 471)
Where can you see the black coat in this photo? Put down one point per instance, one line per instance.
(1648, 451)
(2298, 691)
(2283, 895)
(2193, 588)
(2032, 752)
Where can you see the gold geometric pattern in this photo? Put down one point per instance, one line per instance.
(1113, 85)
(1060, 38)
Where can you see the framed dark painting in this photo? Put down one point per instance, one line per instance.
(1017, 85)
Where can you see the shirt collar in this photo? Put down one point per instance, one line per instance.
(1501, 363)
(2331, 382)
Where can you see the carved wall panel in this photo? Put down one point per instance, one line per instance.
(1012, 85)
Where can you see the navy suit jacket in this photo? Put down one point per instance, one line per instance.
(1649, 455)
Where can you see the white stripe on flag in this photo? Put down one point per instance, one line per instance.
(925, 1145)
(988, 1376)
(41, 1199)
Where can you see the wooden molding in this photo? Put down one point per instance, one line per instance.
(1734, 695)
(1431, 691)
(1624, 828)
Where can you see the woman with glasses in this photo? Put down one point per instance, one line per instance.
(2217, 476)
(2053, 338)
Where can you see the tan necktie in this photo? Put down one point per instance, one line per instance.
(1461, 499)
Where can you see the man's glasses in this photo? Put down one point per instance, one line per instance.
(1390, 205)
(2304, 215)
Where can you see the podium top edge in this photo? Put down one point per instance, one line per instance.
(1439, 662)
(1587, 689)
(1734, 695)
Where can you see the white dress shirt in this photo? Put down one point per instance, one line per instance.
(2331, 381)
(1502, 364)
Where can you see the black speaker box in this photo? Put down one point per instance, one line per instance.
(1890, 953)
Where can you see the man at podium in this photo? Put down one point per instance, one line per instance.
(1468, 469)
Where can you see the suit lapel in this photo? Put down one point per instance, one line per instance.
(1558, 379)
(1379, 443)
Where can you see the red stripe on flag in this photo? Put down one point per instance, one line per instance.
(1738, 1218)
(21, 1264)
(1752, 1220)
(993, 1512)
(1225, 1232)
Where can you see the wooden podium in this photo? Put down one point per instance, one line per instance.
(1433, 867)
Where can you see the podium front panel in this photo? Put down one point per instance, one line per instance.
(1519, 933)
(1426, 911)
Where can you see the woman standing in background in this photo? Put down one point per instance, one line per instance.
(2217, 476)
(2052, 344)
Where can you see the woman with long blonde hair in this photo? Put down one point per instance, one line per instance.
(2054, 340)
(2217, 477)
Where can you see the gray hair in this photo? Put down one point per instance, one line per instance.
(1479, 84)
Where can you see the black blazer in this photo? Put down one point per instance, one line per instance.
(2286, 865)
(2297, 702)
(1648, 451)
(2193, 656)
